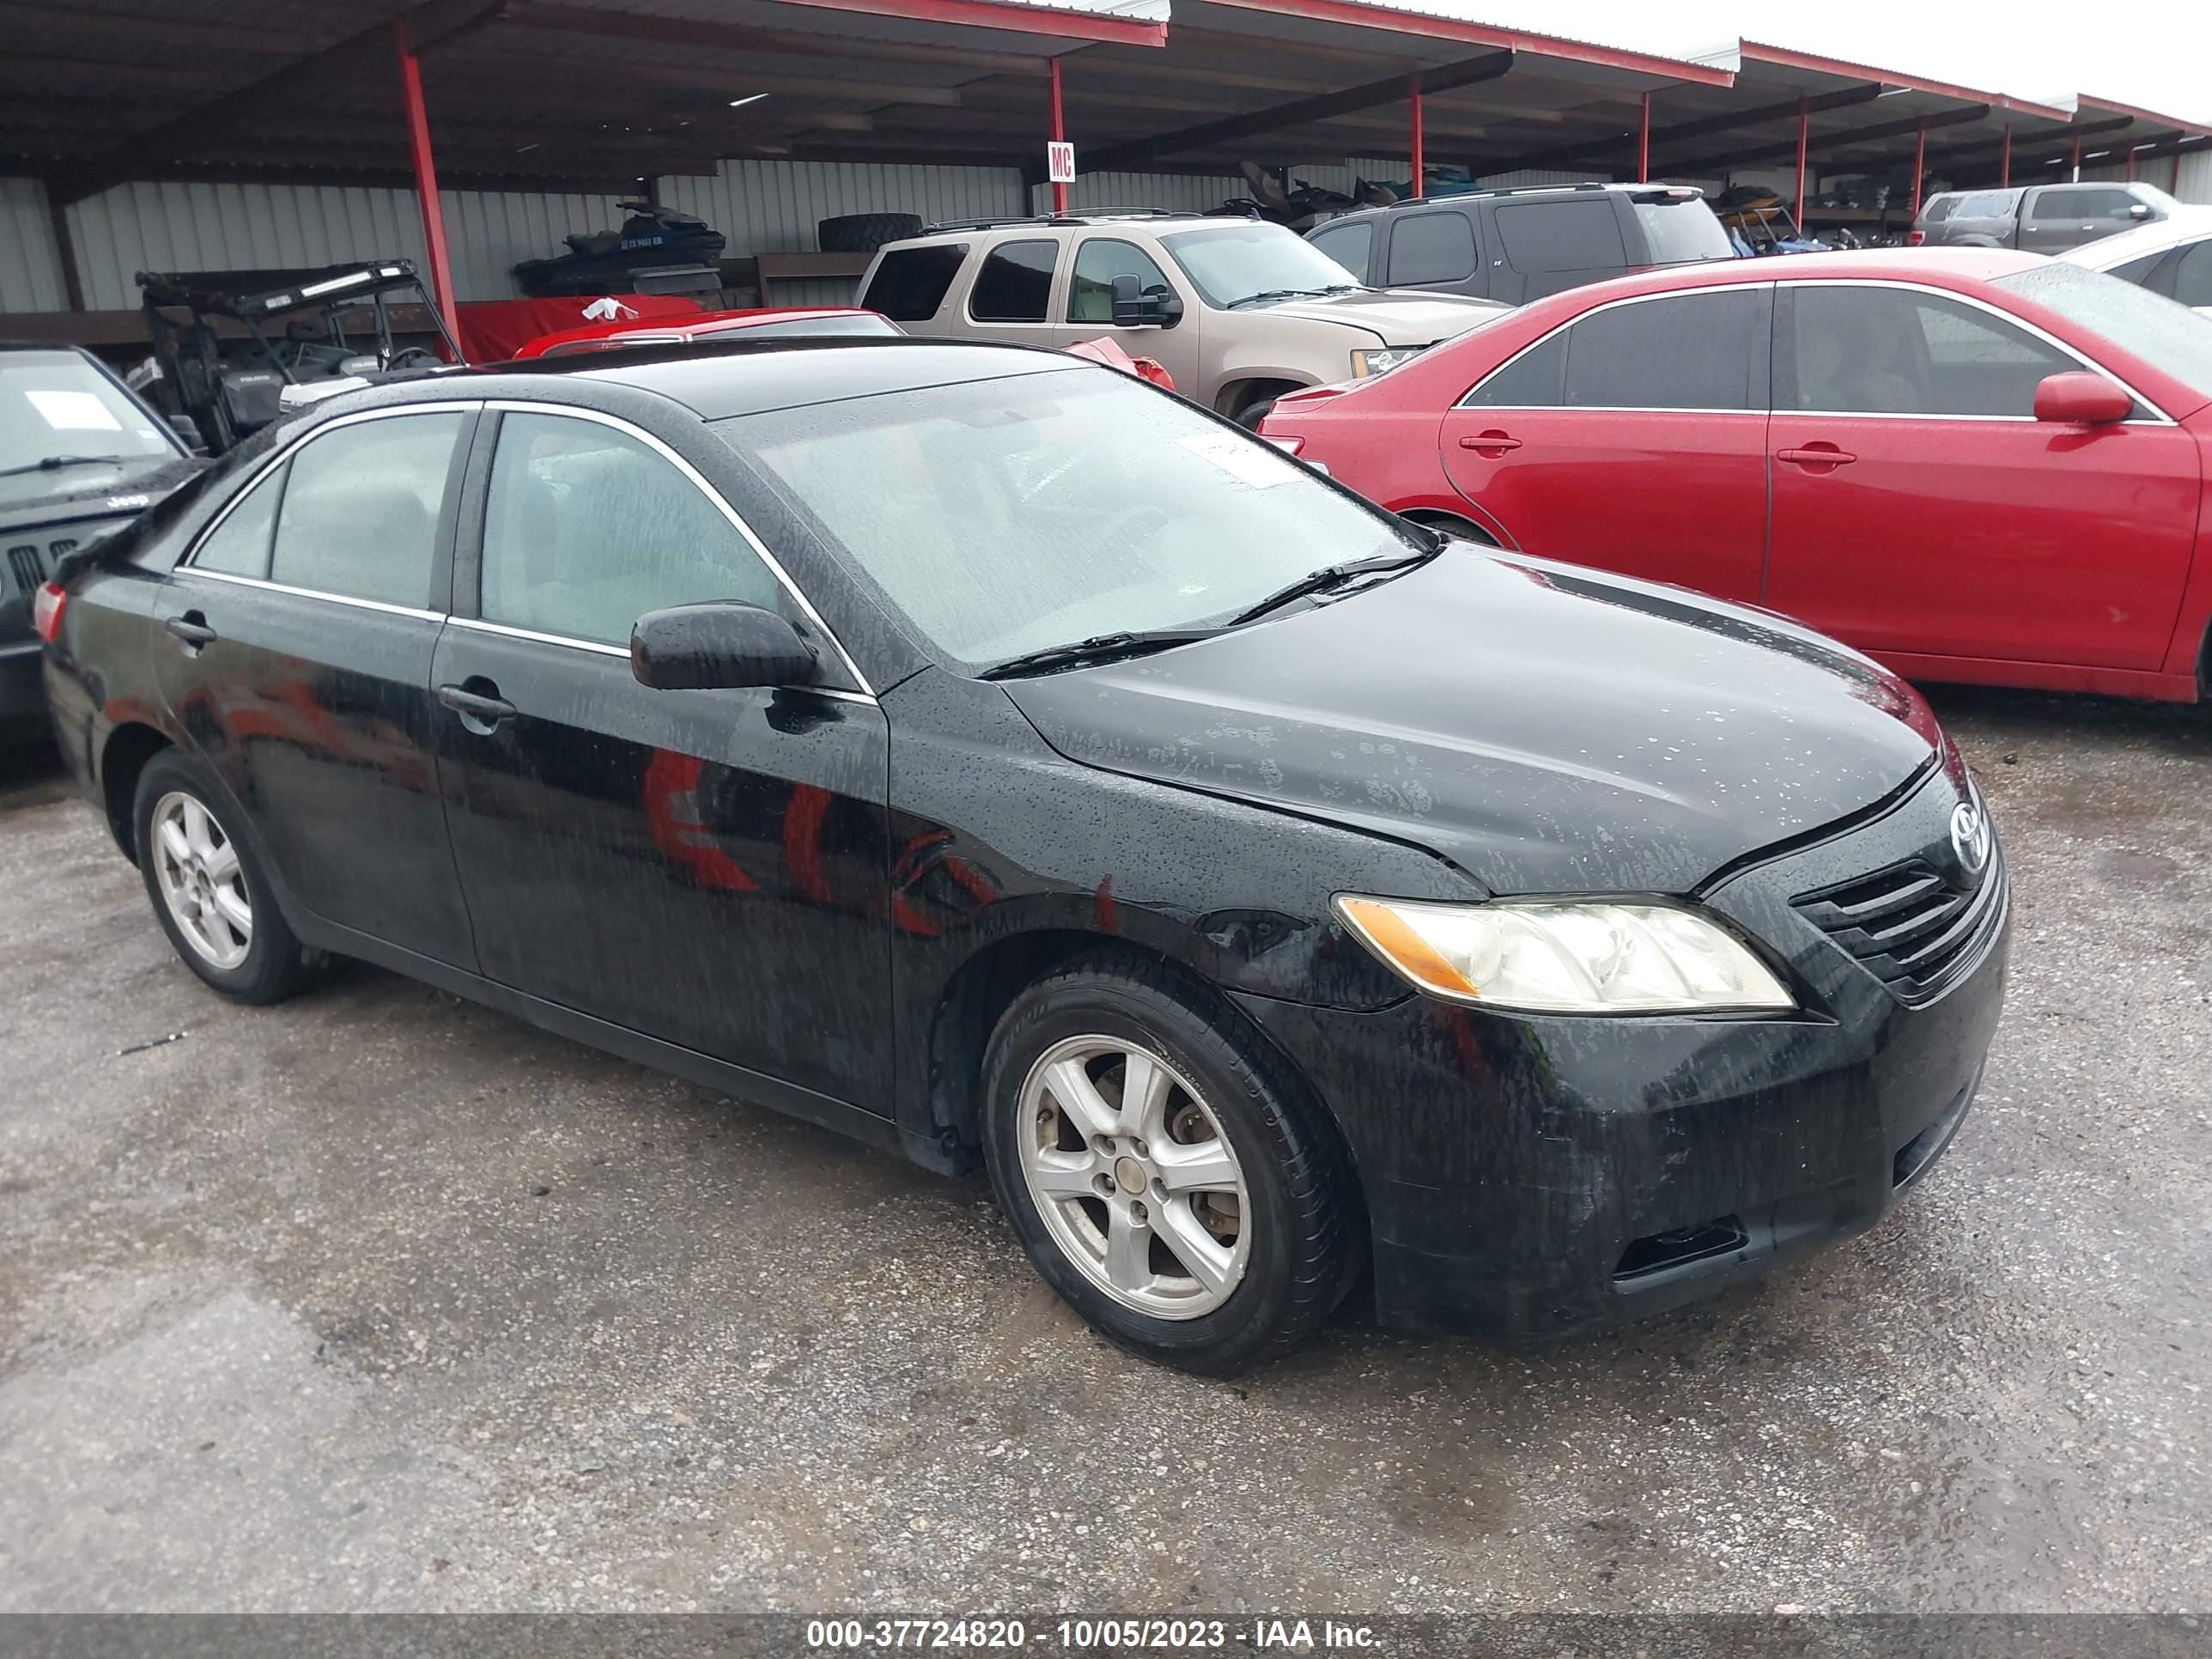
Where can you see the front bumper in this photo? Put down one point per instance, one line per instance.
(1533, 1176)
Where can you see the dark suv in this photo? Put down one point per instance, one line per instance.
(2037, 218)
(1520, 245)
(79, 455)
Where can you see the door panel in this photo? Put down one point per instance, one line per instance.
(707, 867)
(1569, 450)
(1090, 311)
(315, 707)
(1950, 522)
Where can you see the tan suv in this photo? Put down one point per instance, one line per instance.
(1238, 311)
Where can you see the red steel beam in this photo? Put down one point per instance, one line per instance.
(1059, 136)
(1013, 19)
(1919, 164)
(2004, 162)
(1358, 14)
(426, 178)
(1413, 106)
(1798, 206)
(1643, 144)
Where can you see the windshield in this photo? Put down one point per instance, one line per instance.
(1231, 264)
(1007, 516)
(54, 405)
(1679, 231)
(2170, 336)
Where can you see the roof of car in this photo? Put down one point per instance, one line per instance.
(2184, 222)
(717, 380)
(1943, 266)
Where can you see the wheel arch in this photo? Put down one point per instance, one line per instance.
(123, 759)
(1232, 395)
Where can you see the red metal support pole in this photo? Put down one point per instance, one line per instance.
(1797, 207)
(1643, 145)
(1414, 107)
(1059, 136)
(1919, 164)
(2004, 163)
(426, 179)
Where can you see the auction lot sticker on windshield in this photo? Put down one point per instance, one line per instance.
(73, 411)
(1244, 461)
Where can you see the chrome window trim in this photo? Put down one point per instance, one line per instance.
(601, 648)
(1614, 305)
(2158, 416)
(266, 586)
(283, 452)
(699, 482)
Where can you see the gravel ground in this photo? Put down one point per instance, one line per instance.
(380, 1301)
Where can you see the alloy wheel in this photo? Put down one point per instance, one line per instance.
(1133, 1177)
(196, 867)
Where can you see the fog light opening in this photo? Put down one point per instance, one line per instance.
(1657, 1253)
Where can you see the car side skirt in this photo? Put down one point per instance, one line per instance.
(2042, 676)
(847, 1119)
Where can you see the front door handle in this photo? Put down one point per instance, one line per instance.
(192, 629)
(1824, 457)
(1489, 443)
(481, 711)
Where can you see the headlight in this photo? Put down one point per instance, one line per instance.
(1565, 957)
(1366, 363)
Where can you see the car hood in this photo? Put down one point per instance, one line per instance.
(1401, 318)
(68, 493)
(1546, 728)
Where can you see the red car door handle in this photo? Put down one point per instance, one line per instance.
(1816, 455)
(1489, 442)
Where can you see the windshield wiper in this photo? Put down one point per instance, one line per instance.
(55, 462)
(1275, 293)
(1331, 576)
(1099, 648)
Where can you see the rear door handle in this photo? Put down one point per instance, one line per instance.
(1489, 441)
(480, 713)
(1817, 455)
(192, 629)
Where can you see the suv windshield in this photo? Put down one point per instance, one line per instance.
(2171, 336)
(58, 415)
(1010, 515)
(1231, 265)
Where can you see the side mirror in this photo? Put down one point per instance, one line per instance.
(1134, 308)
(2139, 211)
(2080, 398)
(717, 646)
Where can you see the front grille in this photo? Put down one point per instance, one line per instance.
(1912, 926)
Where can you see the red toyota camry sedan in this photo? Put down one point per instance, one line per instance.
(1973, 464)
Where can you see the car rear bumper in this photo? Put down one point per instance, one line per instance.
(1532, 1175)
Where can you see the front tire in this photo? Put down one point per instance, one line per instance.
(1192, 1209)
(208, 891)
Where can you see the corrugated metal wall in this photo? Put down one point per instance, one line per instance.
(30, 267)
(2192, 180)
(227, 227)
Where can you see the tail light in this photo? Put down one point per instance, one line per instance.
(46, 610)
(1915, 238)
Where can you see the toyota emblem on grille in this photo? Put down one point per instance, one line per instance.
(1970, 837)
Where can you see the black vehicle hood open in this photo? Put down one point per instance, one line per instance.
(1546, 728)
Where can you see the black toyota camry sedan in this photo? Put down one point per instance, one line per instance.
(985, 754)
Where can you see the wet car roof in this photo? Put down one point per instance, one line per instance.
(717, 380)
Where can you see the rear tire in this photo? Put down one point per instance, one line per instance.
(209, 891)
(863, 232)
(1209, 1223)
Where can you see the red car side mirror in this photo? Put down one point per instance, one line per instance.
(2080, 399)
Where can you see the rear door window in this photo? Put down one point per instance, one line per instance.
(1534, 380)
(1015, 282)
(238, 546)
(910, 283)
(1429, 248)
(1349, 244)
(361, 509)
(1687, 351)
(1561, 235)
(1679, 231)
